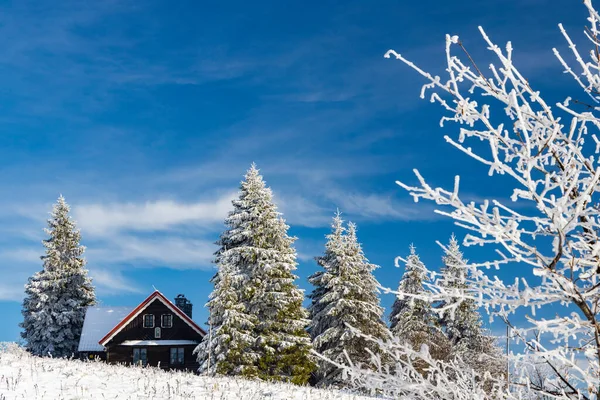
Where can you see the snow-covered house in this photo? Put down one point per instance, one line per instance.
(156, 332)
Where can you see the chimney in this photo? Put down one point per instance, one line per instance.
(184, 305)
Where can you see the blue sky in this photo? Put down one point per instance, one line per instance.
(145, 116)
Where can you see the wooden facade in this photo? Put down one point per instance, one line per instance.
(155, 333)
(157, 355)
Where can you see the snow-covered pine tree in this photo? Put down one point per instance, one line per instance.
(273, 297)
(225, 349)
(320, 318)
(345, 293)
(57, 296)
(263, 307)
(412, 319)
(320, 279)
(462, 322)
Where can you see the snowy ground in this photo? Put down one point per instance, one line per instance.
(23, 376)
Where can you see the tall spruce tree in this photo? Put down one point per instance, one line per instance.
(345, 294)
(57, 296)
(463, 325)
(412, 319)
(260, 260)
(273, 296)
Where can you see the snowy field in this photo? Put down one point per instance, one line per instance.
(23, 376)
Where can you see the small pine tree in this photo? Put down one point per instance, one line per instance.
(412, 319)
(56, 297)
(224, 349)
(345, 294)
(463, 321)
(320, 279)
(463, 325)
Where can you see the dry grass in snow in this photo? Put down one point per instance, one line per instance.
(23, 376)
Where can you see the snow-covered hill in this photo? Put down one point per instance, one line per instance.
(23, 376)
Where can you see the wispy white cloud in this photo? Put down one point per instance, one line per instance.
(279, 170)
(12, 292)
(301, 211)
(106, 281)
(23, 254)
(104, 219)
(111, 281)
(371, 206)
(306, 257)
(308, 249)
(146, 234)
(317, 96)
(170, 252)
(162, 233)
(317, 210)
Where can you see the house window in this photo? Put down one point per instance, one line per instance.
(166, 321)
(149, 321)
(157, 333)
(140, 356)
(176, 355)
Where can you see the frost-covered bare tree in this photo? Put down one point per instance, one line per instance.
(541, 378)
(551, 225)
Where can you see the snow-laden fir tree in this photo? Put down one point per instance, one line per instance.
(225, 350)
(257, 254)
(412, 319)
(320, 279)
(56, 297)
(274, 298)
(462, 320)
(462, 324)
(345, 294)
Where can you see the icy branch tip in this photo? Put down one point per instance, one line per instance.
(391, 52)
(453, 39)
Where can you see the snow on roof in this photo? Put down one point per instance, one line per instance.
(98, 321)
(157, 342)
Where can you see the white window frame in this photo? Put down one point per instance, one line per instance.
(162, 325)
(157, 332)
(144, 321)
